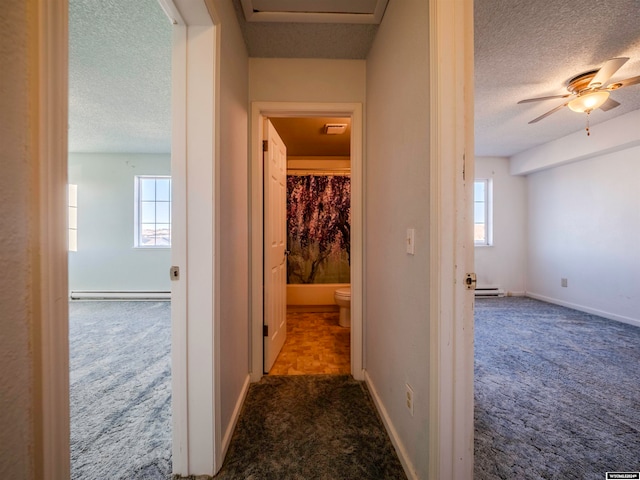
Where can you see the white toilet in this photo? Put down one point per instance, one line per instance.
(342, 296)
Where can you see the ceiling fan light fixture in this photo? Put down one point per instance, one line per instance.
(588, 101)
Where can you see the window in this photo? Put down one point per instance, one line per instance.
(73, 217)
(152, 211)
(482, 234)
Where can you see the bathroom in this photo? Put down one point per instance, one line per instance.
(318, 245)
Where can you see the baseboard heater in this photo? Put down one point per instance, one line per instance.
(119, 295)
(489, 291)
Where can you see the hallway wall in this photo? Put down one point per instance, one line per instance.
(233, 215)
(19, 200)
(306, 80)
(397, 198)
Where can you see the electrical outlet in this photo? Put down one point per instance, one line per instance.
(563, 282)
(409, 399)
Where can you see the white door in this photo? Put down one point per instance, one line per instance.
(275, 244)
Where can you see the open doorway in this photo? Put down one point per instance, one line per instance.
(119, 166)
(317, 323)
(311, 305)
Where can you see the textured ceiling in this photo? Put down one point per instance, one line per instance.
(527, 49)
(119, 76)
(120, 58)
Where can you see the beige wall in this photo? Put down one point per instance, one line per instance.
(306, 80)
(397, 198)
(18, 199)
(234, 216)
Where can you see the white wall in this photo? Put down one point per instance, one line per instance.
(106, 258)
(234, 214)
(18, 201)
(397, 197)
(504, 262)
(584, 225)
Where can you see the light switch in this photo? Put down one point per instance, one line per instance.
(411, 238)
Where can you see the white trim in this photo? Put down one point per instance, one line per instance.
(451, 254)
(593, 311)
(51, 310)
(515, 293)
(228, 434)
(119, 295)
(171, 11)
(197, 444)
(179, 411)
(219, 448)
(408, 467)
(284, 109)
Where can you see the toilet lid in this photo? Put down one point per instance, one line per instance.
(344, 292)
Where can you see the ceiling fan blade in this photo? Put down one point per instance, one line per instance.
(624, 83)
(609, 104)
(607, 71)
(528, 100)
(548, 113)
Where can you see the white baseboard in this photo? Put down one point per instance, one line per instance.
(119, 295)
(226, 439)
(516, 294)
(582, 308)
(409, 470)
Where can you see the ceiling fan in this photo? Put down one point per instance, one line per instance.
(587, 91)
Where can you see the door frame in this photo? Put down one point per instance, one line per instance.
(51, 449)
(197, 446)
(451, 373)
(50, 312)
(260, 110)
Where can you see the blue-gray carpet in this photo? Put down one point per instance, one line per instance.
(557, 392)
(557, 395)
(120, 376)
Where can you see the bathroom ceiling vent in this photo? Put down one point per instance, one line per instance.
(314, 11)
(335, 128)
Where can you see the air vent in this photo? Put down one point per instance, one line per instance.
(335, 128)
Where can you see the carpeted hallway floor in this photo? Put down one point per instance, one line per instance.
(306, 427)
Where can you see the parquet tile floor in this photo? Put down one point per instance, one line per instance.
(316, 344)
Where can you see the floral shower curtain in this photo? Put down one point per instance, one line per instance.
(319, 225)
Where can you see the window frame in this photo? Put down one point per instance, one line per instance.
(488, 213)
(72, 217)
(137, 207)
